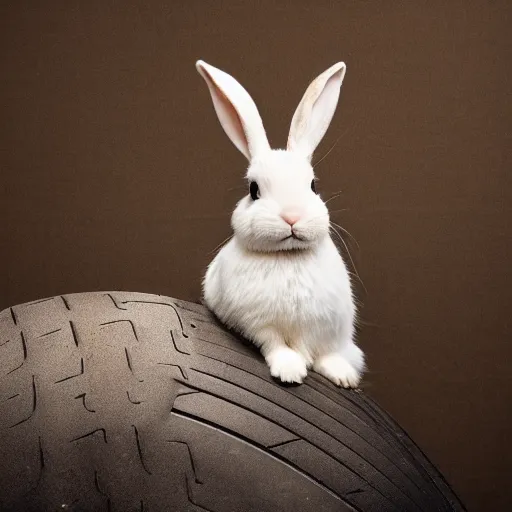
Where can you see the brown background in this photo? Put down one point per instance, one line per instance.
(116, 175)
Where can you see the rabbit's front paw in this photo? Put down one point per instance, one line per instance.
(287, 365)
(338, 370)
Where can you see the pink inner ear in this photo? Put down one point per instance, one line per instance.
(231, 122)
(228, 116)
(324, 107)
(315, 112)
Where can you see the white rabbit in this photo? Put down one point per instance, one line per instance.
(280, 281)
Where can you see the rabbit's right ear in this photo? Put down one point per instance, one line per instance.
(236, 111)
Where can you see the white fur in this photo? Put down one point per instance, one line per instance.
(291, 296)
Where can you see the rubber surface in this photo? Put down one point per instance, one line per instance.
(134, 402)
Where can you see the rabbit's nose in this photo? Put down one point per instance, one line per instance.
(290, 218)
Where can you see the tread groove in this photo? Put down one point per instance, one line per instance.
(278, 424)
(232, 402)
(135, 402)
(129, 362)
(196, 479)
(185, 393)
(176, 347)
(82, 396)
(41, 460)
(221, 346)
(74, 333)
(81, 372)
(115, 303)
(420, 465)
(65, 442)
(331, 436)
(316, 445)
(318, 409)
(190, 310)
(383, 424)
(89, 434)
(278, 445)
(139, 450)
(66, 303)
(10, 398)
(327, 394)
(41, 453)
(182, 371)
(121, 321)
(49, 333)
(24, 349)
(192, 417)
(159, 304)
(101, 491)
(189, 496)
(34, 403)
(13, 316)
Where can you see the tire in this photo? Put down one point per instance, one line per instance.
(135, 402)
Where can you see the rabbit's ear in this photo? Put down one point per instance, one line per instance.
(315, 111)
(236, 111)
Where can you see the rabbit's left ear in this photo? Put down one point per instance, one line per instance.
(236, 111)
(315, 111)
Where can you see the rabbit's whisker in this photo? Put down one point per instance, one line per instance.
(222, 244)
(350, 257)
(334, 196)
(332, 147)
(345, 231)
(339, 210)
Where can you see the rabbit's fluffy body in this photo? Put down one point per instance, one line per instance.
(280, 281)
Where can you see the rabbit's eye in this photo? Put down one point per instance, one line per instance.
(254, 190)
(313, 188)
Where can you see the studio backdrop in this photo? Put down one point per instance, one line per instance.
(115, 175)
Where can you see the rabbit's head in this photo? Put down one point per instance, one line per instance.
(282, 210)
